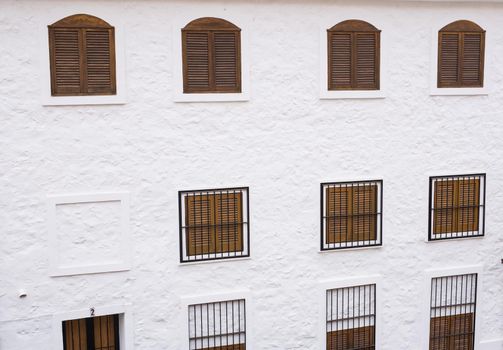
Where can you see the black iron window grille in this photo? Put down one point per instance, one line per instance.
(93, 333)
(351, 214)
(456, 206)
(452, 312)
(214, 224)
(351, 318)
(218, 325)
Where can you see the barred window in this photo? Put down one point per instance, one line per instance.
(214, 224)
(94, 333)
(351, 214)
(218, 325)
(457, 206)
(351, 318)
(452, 312)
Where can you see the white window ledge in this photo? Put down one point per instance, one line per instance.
(352, 94)
(465, 238)
(339, 250)
(228, 260)
(211, 97)
(459, 91)
(83, 100)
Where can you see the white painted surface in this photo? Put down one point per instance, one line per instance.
(282, 143)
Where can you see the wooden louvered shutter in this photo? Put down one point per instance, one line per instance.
(472, 69)
(363, 338)
(104, 332)
(448, 71)
(200, 233)
(229, 222)
(66, 61)
(366, 70)
(439, 331)
(467, 213)
(227, 61)
(364, 219)
(461, 332)
(196, 54)
(339, 60)
(353, 338)
(75, 334)
(444, 203)
(82, 56)
(338, 209)
(100, 61)
(339, 340)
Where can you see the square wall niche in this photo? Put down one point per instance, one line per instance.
(89, 233)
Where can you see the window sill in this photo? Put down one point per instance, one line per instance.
(454, 239)
(352, 94)
(188, 263)
(211, 97)
(83, 100)
(350, 249)
(459, 91)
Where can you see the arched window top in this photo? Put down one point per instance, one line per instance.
(210, 23)
(463, 26)
(81, 21)
(354, 25)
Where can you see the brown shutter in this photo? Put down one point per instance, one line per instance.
(353, 338)
(339, 60)
(444, 203)
(448, 73)
(65, 52)
(229, 219)
(104, 333)
(227, 61)
(467, 214)
(200, 233)
(82, 56)
(366, 60)
(100, 61)
(196, 61)
(75, 332)
(338, 210)
(364, 220)
(472, 59)
(439, 331)
(452, 332)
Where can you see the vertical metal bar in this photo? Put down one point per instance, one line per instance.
(323, 224)
(430, 209)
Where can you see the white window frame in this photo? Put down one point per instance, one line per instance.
(213, 298)
(109, 15)
(125, 244)
(181, 21)
(488, 72)
(428, 275)
(326, 94)
(323, 286)
(126, 329)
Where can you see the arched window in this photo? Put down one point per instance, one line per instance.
(461, 55)
(211, 56)
(82, 56)
(353, 56)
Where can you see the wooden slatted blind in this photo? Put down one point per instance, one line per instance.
(96, 333)
(353, 56)
(211, 49)
(82, 56)
(214, 223)
(461, 55)
(456, 204)
(352, 338)
(351, 212)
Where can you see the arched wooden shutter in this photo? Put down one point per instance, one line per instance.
(82, 53)
(211, 56)
(353, 56)
(461, 55)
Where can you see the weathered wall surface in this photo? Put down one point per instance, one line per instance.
(281, 143)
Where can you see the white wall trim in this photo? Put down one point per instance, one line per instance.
(325, 285)
(115, 19)
(434, 90)
(215, 297)
(125, 244)
(232, 16)
(428, 274)
(126, 329)
(326, 94)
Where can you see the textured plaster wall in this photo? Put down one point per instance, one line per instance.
(282, 143)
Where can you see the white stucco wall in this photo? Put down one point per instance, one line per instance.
(281, 143)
